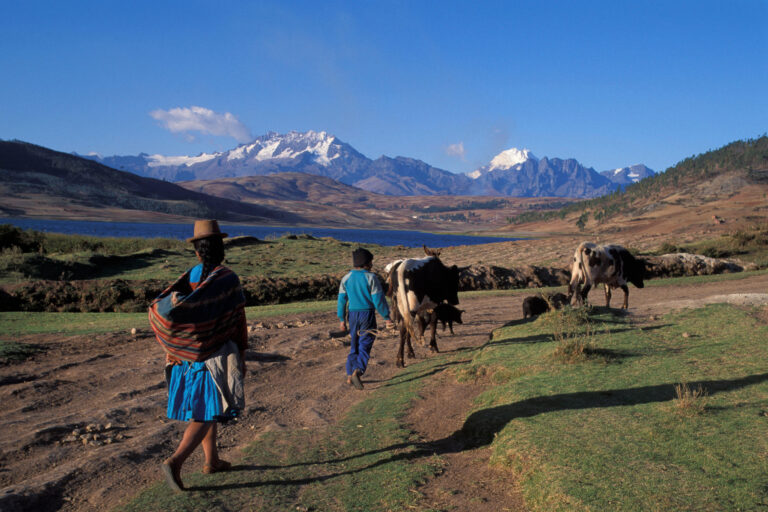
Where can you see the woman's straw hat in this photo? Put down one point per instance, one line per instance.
(205, 229)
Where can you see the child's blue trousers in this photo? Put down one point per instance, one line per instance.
(362, 325)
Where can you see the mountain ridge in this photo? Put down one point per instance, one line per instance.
(323, 154)
(28, 170)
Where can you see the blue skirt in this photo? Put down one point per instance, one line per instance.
(192, 394)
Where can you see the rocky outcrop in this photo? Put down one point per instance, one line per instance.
(685, 264)
(481, 277)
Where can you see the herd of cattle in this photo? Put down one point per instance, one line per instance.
(424, 291)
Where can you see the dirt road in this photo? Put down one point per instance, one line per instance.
(110, 389)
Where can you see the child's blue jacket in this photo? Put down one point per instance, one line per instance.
(363, 291)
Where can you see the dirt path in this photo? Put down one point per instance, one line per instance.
(113, 383)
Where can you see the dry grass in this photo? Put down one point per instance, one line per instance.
(573, 333)
(690, 401)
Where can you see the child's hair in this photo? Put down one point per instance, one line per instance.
(211, 251)
(361, 257)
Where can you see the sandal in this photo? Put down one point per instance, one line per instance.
(222, 465)
(172, 476)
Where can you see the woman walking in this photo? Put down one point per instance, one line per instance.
(200, 322)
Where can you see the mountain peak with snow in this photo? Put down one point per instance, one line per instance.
(628, 175)
(511, 158)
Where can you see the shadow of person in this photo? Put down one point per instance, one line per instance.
(481, 427)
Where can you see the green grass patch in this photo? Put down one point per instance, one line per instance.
(22, 323)
(13, 352)
(368, 462)
(51, 256)
(715, 278)
(612, 432)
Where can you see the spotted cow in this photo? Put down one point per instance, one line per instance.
(612, 265)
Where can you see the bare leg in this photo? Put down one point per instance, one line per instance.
(209, 447)
(193, 436)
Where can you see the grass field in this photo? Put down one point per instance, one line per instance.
(665, 416)
(22, 323)
(26, 255)
(165, 259)
(610, 431)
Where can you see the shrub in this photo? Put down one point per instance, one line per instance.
(573, 333)
(689, 401)
(24, 240)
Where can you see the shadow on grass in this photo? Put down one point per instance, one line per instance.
(542, 338)
(115, 265)
(417, 376)
(481, 427)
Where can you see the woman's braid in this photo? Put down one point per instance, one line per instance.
(211, 251)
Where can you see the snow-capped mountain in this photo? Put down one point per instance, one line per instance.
(628, 175)
(516, 172)
(266, 154)
(512, 158)
(309, 152)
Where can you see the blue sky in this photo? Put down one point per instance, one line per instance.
(451, 83)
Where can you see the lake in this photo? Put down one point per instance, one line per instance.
(183, 231)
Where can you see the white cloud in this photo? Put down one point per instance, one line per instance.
(456, 150)
(199, 119)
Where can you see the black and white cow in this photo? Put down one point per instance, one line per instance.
(612, 265)
(416, 288)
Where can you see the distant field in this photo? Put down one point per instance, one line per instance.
(19, 323)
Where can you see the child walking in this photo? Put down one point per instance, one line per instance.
(362, 290)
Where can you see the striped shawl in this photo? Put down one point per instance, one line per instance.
(192, 325)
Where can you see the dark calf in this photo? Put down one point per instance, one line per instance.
(534, 305)
(558, 300)
(446, 314)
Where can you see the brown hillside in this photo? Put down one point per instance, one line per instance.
(718, 192)
(36, 181)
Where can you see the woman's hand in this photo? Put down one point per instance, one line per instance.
(343, 326)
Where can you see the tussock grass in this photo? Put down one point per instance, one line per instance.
(573, 333)
(690, 401)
